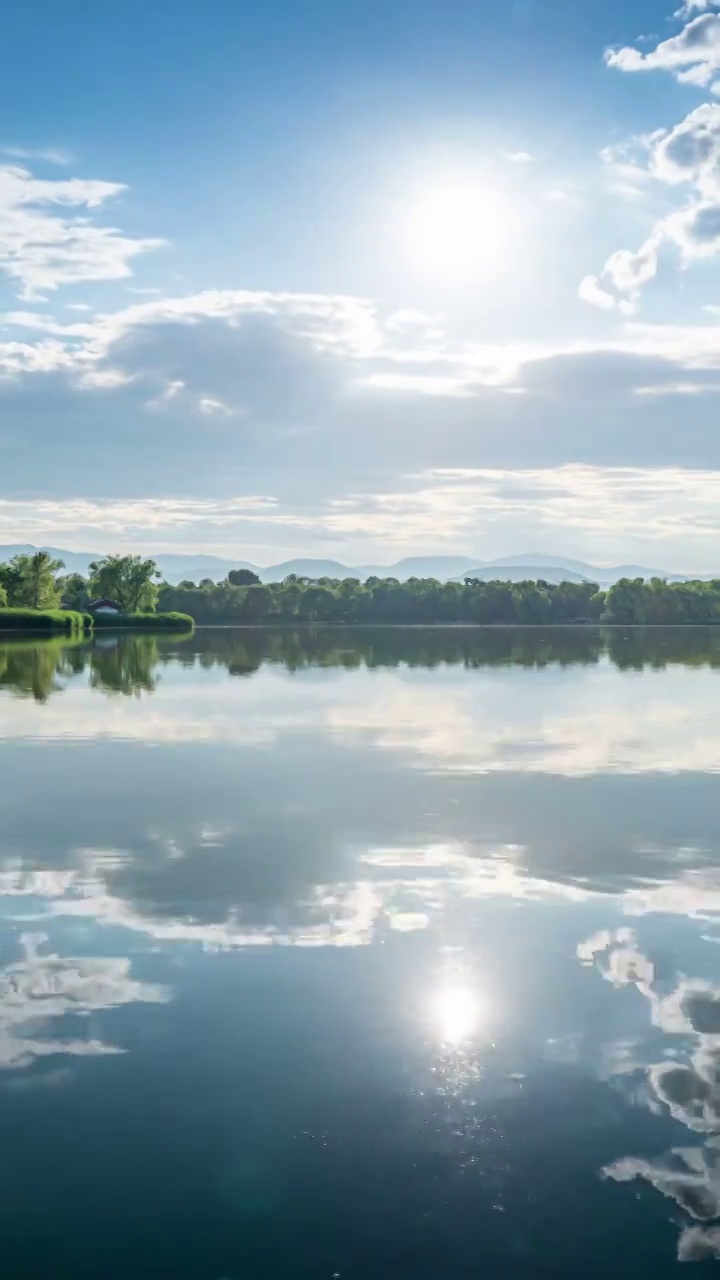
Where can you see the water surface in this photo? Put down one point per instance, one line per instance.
(360, 954)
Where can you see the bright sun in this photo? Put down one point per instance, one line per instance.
(461, 229)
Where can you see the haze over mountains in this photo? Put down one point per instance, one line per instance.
(531, 565)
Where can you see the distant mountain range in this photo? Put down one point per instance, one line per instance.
(176, 568)
(523, 573)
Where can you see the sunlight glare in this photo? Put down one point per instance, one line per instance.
(458, 1013)
(461, 228)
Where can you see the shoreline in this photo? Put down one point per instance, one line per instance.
(54, 633)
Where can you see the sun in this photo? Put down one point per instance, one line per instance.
(461, 228)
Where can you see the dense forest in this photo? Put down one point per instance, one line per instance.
(426, 601)
(134, 584)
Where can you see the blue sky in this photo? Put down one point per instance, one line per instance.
(362, 280)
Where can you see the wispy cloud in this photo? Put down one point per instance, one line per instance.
(41, 249)
(650, 510)
(48, 155)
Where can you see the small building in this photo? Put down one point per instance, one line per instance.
(103, 605)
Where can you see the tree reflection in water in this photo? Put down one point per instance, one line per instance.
(132, 664)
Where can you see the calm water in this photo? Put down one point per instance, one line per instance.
(360, 955)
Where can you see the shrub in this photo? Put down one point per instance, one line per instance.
(143, 622)
(67, 620)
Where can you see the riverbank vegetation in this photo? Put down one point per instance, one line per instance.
(67, 621)
(133, 584)
(34, 596)
(142, 622)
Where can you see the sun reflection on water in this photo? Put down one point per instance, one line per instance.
(458, 1012)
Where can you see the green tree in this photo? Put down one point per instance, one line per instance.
(257, 603)
(3, 596)
(128, 580)
(243, 578)
(75, 591)
(317, 603)
(10, 580)
(624, 602)
(574, 601)
(531, 602)
(36, 584)
(288, 597)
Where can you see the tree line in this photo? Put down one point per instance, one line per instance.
(135, 585)
(418, 601)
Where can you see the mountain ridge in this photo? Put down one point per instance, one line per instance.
(176, 567)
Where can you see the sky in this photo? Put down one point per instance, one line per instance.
(362, 280)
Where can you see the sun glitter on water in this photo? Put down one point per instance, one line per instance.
(458, 1013)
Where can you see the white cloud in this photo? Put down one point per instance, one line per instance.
(41, 249)
(696, 231)
(646, 508)
(591, 291)
(690, 152)
(125, 519)
(337, 323)
(687, 155)
(572, 496)
(305, 393)
(622, 278)
(368, 349)
(209, 405)
(49, 155)
(697, 46)
(695, 6)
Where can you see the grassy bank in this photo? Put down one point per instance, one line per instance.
(68, 621)
(143, 622)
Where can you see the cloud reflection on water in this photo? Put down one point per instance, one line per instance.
(41, 989)
(593, 723)
(685, 1084)
(566, 704)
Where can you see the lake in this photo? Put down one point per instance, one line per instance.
(360, 954)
